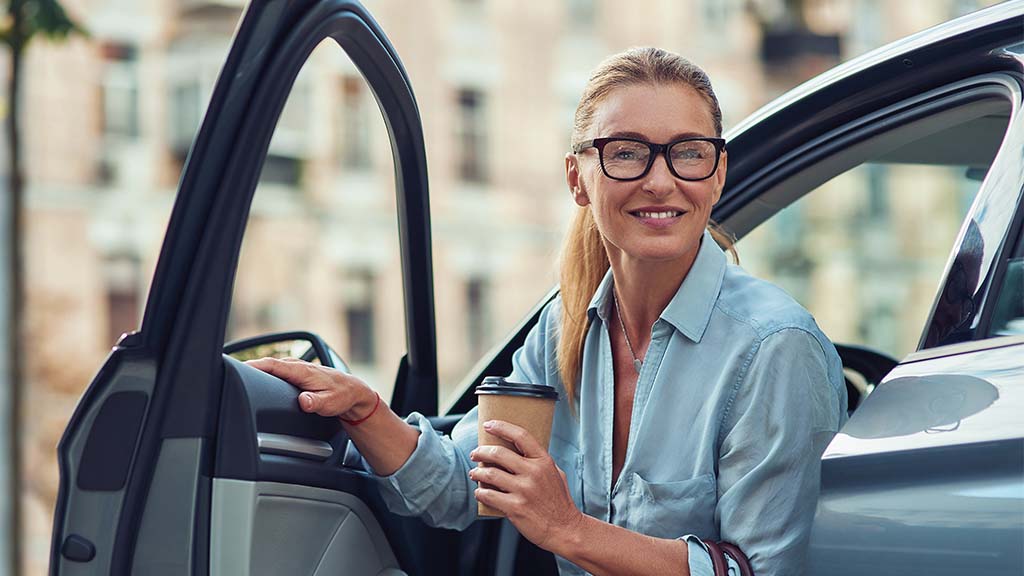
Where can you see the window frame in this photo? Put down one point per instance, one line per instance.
(1014, 248)
(992, 222)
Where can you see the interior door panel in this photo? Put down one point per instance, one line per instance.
(281, 470)
(322, 532)
(96, 462)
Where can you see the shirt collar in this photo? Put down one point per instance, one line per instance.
(689, 311)
(600, 302)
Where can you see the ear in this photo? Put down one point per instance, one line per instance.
(723, 166)
(574, 180)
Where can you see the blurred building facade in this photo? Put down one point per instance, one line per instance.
(109, 121)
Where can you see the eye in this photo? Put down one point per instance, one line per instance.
(687, 152)
(626, 152)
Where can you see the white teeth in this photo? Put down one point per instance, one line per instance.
(658, 214)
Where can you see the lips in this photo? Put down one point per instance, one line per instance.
(656, 215)
(657, 212)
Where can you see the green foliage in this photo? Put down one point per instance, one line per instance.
(26, 19)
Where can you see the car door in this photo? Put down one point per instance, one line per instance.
(181, 460)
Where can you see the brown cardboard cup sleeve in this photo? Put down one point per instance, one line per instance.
(530, 406)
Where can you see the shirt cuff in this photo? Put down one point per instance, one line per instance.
(700, 559)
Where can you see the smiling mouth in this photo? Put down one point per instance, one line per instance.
(657, 215)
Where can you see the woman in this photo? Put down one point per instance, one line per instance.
(696, 400)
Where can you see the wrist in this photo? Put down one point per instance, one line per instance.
(363, 408)
(571, 536)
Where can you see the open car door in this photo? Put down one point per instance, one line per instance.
(182, 460)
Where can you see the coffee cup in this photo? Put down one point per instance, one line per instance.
(530, 406)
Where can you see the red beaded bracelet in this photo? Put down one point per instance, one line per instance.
(364, 418)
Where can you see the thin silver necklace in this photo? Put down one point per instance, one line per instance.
(637, 363)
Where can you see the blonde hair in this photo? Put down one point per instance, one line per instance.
(584, 261)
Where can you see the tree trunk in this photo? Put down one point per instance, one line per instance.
(16, 303)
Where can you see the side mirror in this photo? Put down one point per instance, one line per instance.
(303, 345)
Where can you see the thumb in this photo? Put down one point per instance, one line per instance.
(310, 401)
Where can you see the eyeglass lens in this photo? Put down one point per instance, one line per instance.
(691, 159)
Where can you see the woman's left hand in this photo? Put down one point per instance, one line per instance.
(528, 487)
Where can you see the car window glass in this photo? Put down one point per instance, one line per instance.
(321, 250)
(865, 251)
(1008, 314)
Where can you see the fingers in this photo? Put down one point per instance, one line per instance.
(518, 436)
(325, 391)
(497, 456)
(498, 500)
(292, 370)
(493, 477)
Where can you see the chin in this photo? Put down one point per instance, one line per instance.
(664, 254)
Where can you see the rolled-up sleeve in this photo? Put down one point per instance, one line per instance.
(787, 405)
(434, 482)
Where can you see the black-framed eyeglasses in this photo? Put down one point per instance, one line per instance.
(625, 159)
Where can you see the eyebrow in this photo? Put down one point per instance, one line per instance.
(639, 136)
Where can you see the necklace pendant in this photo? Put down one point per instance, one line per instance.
(637, 364)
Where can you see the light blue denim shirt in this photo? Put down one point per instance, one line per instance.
(739, 394)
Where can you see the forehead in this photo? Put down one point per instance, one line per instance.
(656, 112)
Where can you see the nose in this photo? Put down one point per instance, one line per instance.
(659, 180)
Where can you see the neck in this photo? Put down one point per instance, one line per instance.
(644, 288)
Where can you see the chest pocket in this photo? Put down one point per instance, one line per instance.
(673, 509)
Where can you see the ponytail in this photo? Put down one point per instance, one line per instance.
(584, 264)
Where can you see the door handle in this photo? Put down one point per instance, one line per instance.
(286, 445)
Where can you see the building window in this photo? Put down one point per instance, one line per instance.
(471, 137)
(478, 325)
(281, 170)
(359, 290)
(292, 134)
(582, 14)
(186, 107)
(354, 139)
(121, 275)
(120, 91)
(878, 190)
(717, 13)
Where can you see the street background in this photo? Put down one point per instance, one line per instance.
(108, 119)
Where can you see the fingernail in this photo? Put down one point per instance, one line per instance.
(306, 400)
(489, 424)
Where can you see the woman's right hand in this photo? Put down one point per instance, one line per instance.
(325, 391)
